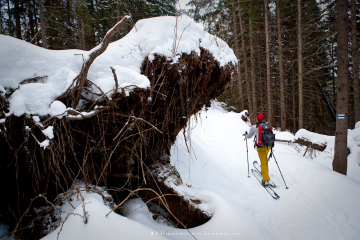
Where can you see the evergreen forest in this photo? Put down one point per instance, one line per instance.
(294, 88)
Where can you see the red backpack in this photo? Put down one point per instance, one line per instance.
(266, 135)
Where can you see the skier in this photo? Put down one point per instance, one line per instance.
(262, 132)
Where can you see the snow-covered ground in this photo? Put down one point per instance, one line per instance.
(319, 203)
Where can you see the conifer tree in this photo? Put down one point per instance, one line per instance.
(355, 61)
(340, 156)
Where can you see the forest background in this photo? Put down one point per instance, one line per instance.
(286, 49)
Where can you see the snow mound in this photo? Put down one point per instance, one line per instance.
(55, 70)
(284, 136)
(98, 226)
(213, 229)
(56, 108)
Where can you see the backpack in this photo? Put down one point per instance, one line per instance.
(266, 136)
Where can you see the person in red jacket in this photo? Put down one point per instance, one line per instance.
(262, 147)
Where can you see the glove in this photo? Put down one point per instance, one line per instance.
(270, 156)
(246, 133)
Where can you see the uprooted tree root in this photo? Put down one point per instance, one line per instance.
(112, 142)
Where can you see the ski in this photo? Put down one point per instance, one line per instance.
(268, 189)
(257, 168)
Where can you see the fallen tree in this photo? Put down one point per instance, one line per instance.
(306, 143)
(116, 141)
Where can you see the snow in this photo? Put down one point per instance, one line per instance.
(56, 108)
(314, 137)
(213, 229)
(4, 229)
(99, 226)
(44, 143)
(284, 136)
(48, 132)
(169, 36)
(2, 90)
(326, 157)
(319, 204)
(36, 119)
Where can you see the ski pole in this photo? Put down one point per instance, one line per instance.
(278, 168)
(247, 154)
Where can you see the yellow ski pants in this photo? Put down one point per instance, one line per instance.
(263, 152)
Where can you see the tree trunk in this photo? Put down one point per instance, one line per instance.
(294, 104)
(90, 41)
(81, 32)
(300, 65)
(71, 38)
(238, 59)
(281, 69)
(0, 17)
(340, 156)
(268, 66)
(17, 19)
(31, 18)
(9, 19)
(42, 24)
(355, 59)
(248, 89)
(252, 59)
(118, 11)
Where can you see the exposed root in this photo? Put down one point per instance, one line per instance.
(109, 142)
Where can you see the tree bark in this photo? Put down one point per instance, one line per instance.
(0, 17)
(42, 24)
(268, 66)
(71, 36)
(248, 89)
(90, 33)
(36, 27)
(281, 69)
(31, 18)
(294, 105)
(238, 59)
(355, 60)
(17, 20)
(300, 65)
(340, 156)
(9, 19)
(252, 73)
